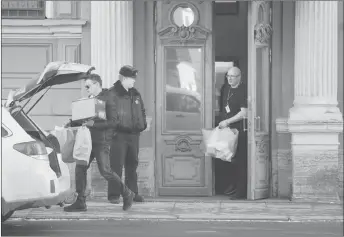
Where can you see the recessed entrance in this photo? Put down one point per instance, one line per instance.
(230, 44)
(195, 44)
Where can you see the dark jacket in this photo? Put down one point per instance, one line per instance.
(102, 130)
(131, 114)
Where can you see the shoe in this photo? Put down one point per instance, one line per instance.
(114, 200)
(128, 201)
(230, 190)
(138, 198)
(236, 197)
(77, 206)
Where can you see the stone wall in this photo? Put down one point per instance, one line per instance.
(321, 163)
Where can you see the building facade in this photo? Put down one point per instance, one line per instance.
(290, 53)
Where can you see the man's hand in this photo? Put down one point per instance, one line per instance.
(224, 124)
(67, 124)
(88, 123)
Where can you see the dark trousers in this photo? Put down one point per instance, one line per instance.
(239, 162)
(124, 152)
(102, 154)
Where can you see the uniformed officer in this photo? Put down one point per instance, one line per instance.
(125, 143)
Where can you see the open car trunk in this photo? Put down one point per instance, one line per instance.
(36, 133)
(55, 73)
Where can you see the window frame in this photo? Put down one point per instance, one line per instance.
(41, 11)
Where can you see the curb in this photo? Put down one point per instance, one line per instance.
(178, 218)
(283, 220)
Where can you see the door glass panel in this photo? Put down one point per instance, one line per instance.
(183, 89)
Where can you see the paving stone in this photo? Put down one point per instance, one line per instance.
(196, 207)
(195, 211)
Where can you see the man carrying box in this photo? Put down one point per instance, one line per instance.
(125, 143)
(101, 133)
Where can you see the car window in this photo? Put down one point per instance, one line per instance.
(191, 105)
(182, 103)
(4, 132)
(173, 102)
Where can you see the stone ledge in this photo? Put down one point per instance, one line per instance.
(47, 28)
(283, 125)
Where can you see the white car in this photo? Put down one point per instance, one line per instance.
(183, 109)
(33, 173)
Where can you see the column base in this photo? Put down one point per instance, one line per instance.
(315, 113)
(315, 175)
(315, 153)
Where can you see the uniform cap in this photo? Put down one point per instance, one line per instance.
(128, 71)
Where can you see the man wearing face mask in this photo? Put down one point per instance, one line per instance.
(233, 113)
(125, 143)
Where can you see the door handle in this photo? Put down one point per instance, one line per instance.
(257, 123)
(244, 124)
(180, 116)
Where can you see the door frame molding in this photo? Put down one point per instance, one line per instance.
(208, 89)
(257, 141)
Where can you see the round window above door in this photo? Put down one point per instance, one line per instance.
(184, 14)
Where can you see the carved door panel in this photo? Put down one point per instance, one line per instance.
(259, 20)
(184, 88)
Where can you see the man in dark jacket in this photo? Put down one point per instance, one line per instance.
(125, 143)
(101, 133)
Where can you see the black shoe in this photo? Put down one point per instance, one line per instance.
(236, 197)
(128, 201)
(114, 200)
(138, 198)
(230, 190)
(77, 206)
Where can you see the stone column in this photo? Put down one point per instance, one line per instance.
(315, 120)
(111, 38)
(111, 48)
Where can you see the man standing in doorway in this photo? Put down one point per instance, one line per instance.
(234, 112)
(125, 143)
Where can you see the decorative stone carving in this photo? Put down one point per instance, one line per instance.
(183, 144)
(183, 33)
(262, 34)
(262, 29)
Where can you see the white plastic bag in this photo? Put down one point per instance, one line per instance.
(220, 143)
(83, 145)
(66, 138)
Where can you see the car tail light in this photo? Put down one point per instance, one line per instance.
(35, 149)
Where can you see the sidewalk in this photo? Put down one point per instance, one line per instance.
(197, 210)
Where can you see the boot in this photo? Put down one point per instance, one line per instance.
(128, 200)
(138, 198)
(78, 206)
(114, 200)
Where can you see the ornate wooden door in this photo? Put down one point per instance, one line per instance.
(259, 32)
(184, 89)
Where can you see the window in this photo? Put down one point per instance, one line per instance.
(182, 103)
(4, 132)
(23, 9)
